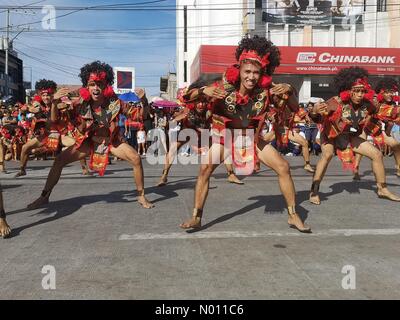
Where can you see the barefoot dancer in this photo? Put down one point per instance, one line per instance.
(97, 132)
(62, 122)
(344, 119)
(288, 131)
(389, 114)
(196, 116)
(242, 103)
(39, 141)
(5, 229)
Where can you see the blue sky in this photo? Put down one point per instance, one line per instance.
(119, 40)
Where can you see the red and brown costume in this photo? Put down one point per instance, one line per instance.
(99, 127)
(41, 127)
(345, 120)
(387, 115)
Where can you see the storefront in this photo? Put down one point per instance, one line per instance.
(309, 69)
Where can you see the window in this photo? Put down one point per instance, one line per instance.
(381, 6)
(185, 71)
(185, 28)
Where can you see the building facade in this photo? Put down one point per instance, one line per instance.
(168, 86)
(316, 38)
(15, 74)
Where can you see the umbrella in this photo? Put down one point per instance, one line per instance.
(129, 96)
(165, 104)
(155, 99)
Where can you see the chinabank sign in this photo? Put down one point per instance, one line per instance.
(326, 57)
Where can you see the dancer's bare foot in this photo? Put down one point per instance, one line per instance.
(386, 194)
(41, 201)
(314, 198)
(232, 178)
(5, 229)
(295, 221)
(21, 173)
(356, 176)
(86, 172)
(398, 171)
(163, 181)
(194, 222)
(309, 168)
(2, 169)
(144, 202)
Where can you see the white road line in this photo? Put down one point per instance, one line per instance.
(253, 234)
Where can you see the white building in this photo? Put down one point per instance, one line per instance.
(199, 22)
(316, 38)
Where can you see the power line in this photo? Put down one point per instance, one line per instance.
(47, 63)
(78, 9)
(142, 6)
(23, 6)
(89, 58)
(170, 30)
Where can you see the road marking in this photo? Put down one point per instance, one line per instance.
(254, 234)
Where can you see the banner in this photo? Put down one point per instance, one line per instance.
(124, 80)
(313, 12)
(329, 60)
(305, 60)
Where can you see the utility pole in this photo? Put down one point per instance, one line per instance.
(7, 49)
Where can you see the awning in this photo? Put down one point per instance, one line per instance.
(304, 60)
(165, 104)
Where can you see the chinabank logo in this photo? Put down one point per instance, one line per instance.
(306, 57)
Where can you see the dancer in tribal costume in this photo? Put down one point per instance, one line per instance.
(196, 115)
(288, 127)
(388, 114)
(5, 230)
(242, 100)
(96, 133)
(40, 138)
(345, 118)
(6, 138)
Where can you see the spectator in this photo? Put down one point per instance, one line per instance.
(24, 123)
(141, 140)
(161, 125)
(311, 132)
(132, 125)
(8, 119)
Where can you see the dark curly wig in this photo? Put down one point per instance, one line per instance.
(262, 46)
(45, 84)
(345, 78)
(386, 83)
(96, 67)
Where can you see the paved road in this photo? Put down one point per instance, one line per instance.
(103, 245)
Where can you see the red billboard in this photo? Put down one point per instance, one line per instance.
(306, 60)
